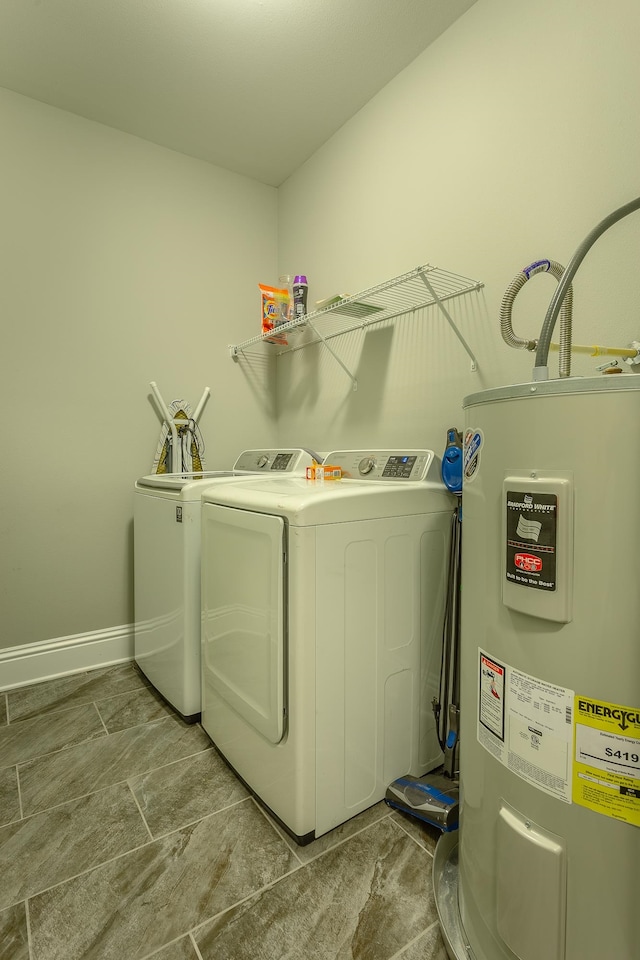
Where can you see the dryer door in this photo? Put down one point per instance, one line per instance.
(243, 631)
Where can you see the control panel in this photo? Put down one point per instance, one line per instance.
(274, 461)
(382, 464)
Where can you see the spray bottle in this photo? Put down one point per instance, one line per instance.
(300, 289)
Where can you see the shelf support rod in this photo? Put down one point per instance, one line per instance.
(333, 354)
(450, 321)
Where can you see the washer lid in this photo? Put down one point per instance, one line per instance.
(176, 481)
(272, 461)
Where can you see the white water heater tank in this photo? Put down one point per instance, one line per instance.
(549, 844)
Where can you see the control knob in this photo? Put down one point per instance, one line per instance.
(366, 465)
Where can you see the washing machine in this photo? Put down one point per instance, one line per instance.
(167, 569)
(322, 613)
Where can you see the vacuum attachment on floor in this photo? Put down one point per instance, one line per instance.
(433, 798)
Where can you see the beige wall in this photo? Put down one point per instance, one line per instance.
(504, 142)
(121, 263)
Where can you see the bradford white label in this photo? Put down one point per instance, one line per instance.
(531, 539)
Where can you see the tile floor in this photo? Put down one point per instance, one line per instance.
(123, 836)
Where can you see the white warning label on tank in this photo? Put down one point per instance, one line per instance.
(536, 717)
(491, 712)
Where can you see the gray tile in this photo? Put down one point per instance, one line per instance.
(9, 799)
(143, 900)
(44, 850)
(430, 946)
(64, 692)
(3, 708)
(132, 708)
(180, 793)
(13, 933)
(363, 900)
(337, 835)
(91, 766)
(35, 738)
(422, 832)
(180, 950)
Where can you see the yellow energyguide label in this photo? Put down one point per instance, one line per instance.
(606, 769)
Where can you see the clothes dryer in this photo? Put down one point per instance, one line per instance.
(167, 569)
(323, 605)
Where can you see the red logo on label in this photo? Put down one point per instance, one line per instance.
(526, 561)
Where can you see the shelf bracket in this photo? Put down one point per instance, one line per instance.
(333, 354)
(450, 321)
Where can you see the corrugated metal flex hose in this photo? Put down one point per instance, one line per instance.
(566, 312)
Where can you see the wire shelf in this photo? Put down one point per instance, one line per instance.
(415, 290)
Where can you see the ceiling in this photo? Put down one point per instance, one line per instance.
(254, 86)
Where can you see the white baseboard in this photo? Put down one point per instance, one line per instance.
(47, 659)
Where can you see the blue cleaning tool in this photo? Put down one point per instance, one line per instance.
(452, 461)
(433, 798)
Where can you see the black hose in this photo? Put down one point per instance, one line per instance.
(449, 690)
